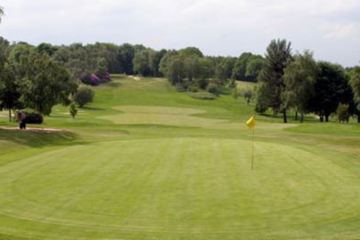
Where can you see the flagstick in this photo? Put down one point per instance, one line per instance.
(252, 154)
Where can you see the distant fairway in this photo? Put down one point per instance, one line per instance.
(146, 162)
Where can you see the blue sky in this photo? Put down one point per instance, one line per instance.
(330, 28)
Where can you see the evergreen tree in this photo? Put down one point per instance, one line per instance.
(272, 85)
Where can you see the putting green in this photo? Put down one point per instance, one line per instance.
(179, 188)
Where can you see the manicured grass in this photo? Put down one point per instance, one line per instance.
(146, 162)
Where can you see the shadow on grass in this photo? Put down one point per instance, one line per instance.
(37, 138)
(93, 108)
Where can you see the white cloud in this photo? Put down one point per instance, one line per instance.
(216, 26)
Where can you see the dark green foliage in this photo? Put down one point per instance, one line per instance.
(299, 79)
(213, 88)
(331, 89)
(342, 113)
(191, 52)
(155, 59)
(263, 93)
(278, 57)
(4, 52)
(174, 69)
(9, 87)
(84, 95)
(248, 95)
(125, 57)
(73, 110)
(143, 62)
(355, 84)
(193, 88)
(224, 69)
(46, 48)
(248, 67)
(33, 117)
(43, 83)
(186, 69)
(10, 92)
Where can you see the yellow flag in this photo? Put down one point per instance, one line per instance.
(251, 122)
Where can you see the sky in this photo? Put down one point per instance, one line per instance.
(329, 28)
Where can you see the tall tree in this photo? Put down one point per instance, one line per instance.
(299, 79)
(239, 70)
(46, 48)
(355, 85)
(224, 68)
(10, 91)
(175, 70)
(248, 67)
(278, 57)
(126, 55)
(331, 89)
(45, 84)
(191, 51)
(142, 62)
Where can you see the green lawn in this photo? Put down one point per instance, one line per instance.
(146, 162)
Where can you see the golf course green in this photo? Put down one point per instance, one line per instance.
(146, 162)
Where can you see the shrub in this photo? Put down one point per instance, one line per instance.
(193, 88)
(73, 110)
(232, 84)
(33, 117)
(248, 95)
(95, 79)
(213, 88)
(83, 96)
(342, 113)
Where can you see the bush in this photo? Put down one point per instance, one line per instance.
(248, 95)
(232, 84)
(83, 96)
(73, 110)
(342, 113)
(193, 88)
(33, 117)
(95, 79)
(213, 88)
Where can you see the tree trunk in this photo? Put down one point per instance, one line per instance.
(358, 117)
(301, 117)
(321, 118)
(285, 116)
(296, 116)
(327, 118)
(10, 119)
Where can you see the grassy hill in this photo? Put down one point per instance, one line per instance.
(146, 162)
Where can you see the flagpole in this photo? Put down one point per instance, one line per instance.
(252, 154)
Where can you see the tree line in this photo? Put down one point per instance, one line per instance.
(302, 84)
(83, 60)
(286, 81)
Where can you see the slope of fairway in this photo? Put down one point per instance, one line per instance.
(145, 162)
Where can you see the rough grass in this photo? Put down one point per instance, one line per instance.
(146, 162)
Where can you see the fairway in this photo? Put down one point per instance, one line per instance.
(146, 162)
